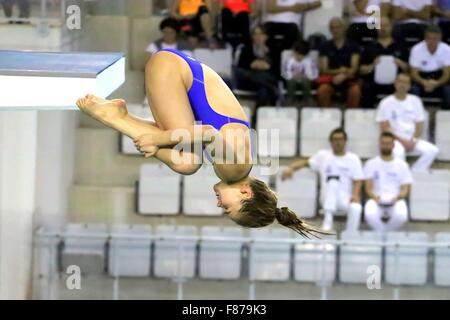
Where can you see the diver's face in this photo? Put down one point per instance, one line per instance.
(230, 197)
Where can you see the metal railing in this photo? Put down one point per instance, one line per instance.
(323, 246)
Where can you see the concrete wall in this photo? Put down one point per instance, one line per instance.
(56, 131)
(17, 201)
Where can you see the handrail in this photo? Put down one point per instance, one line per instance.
(113, 236)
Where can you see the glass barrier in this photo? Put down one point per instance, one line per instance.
(55, 279)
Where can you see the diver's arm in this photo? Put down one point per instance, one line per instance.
(203, 134)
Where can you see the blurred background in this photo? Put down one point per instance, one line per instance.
(93, 202)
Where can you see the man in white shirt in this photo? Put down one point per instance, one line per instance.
(430, 67)
(403, 115)
(341, 179)
(387, 185)
(412, 17)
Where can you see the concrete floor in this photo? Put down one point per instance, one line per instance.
(101, 287)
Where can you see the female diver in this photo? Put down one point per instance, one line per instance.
(192, 105)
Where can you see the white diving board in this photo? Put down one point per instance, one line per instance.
(55, 80)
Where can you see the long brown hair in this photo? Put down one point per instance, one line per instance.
(261, 210)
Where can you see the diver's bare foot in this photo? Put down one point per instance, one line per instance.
(105, 111)
(101, 100)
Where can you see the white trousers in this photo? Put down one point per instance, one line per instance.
(426, 151)
(336, 200)
(373, 213)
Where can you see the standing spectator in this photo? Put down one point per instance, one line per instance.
(362, 17)
(388, 181)
(194, 18)
(341, 178)
(283, 22)
(383, 47)
(299, 72)
(169, 40)
(403, 115)
(430, 67)
(412, 17)
(255, 70)
(24, 9)
(442, 10)
(235, 20)
(339, 64)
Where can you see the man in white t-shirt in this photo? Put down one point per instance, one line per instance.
(412, 17)
(430, 67)
(403, 115)
(387, 185)
(341, 179)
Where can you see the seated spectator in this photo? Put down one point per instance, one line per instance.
(299, 72)
(339, 64)
(371, 58)
(361, 18)
(194, 20)
(169, 30)
(412, 17)
(283, 22)
(341, 179)
(255, 70)
(387, 185)
(161, 7)
(235, 20)
(24, 9)
(430, 67)
(403, 115)
(442, 10)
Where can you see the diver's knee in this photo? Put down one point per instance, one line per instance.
(186, 169)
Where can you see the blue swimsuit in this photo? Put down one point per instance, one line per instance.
(203, 112)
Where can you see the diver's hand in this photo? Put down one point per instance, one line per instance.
(146, 144)
(149, 151)
(145, 140)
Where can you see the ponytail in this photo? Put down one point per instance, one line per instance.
(261, 210)
(288, 218)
